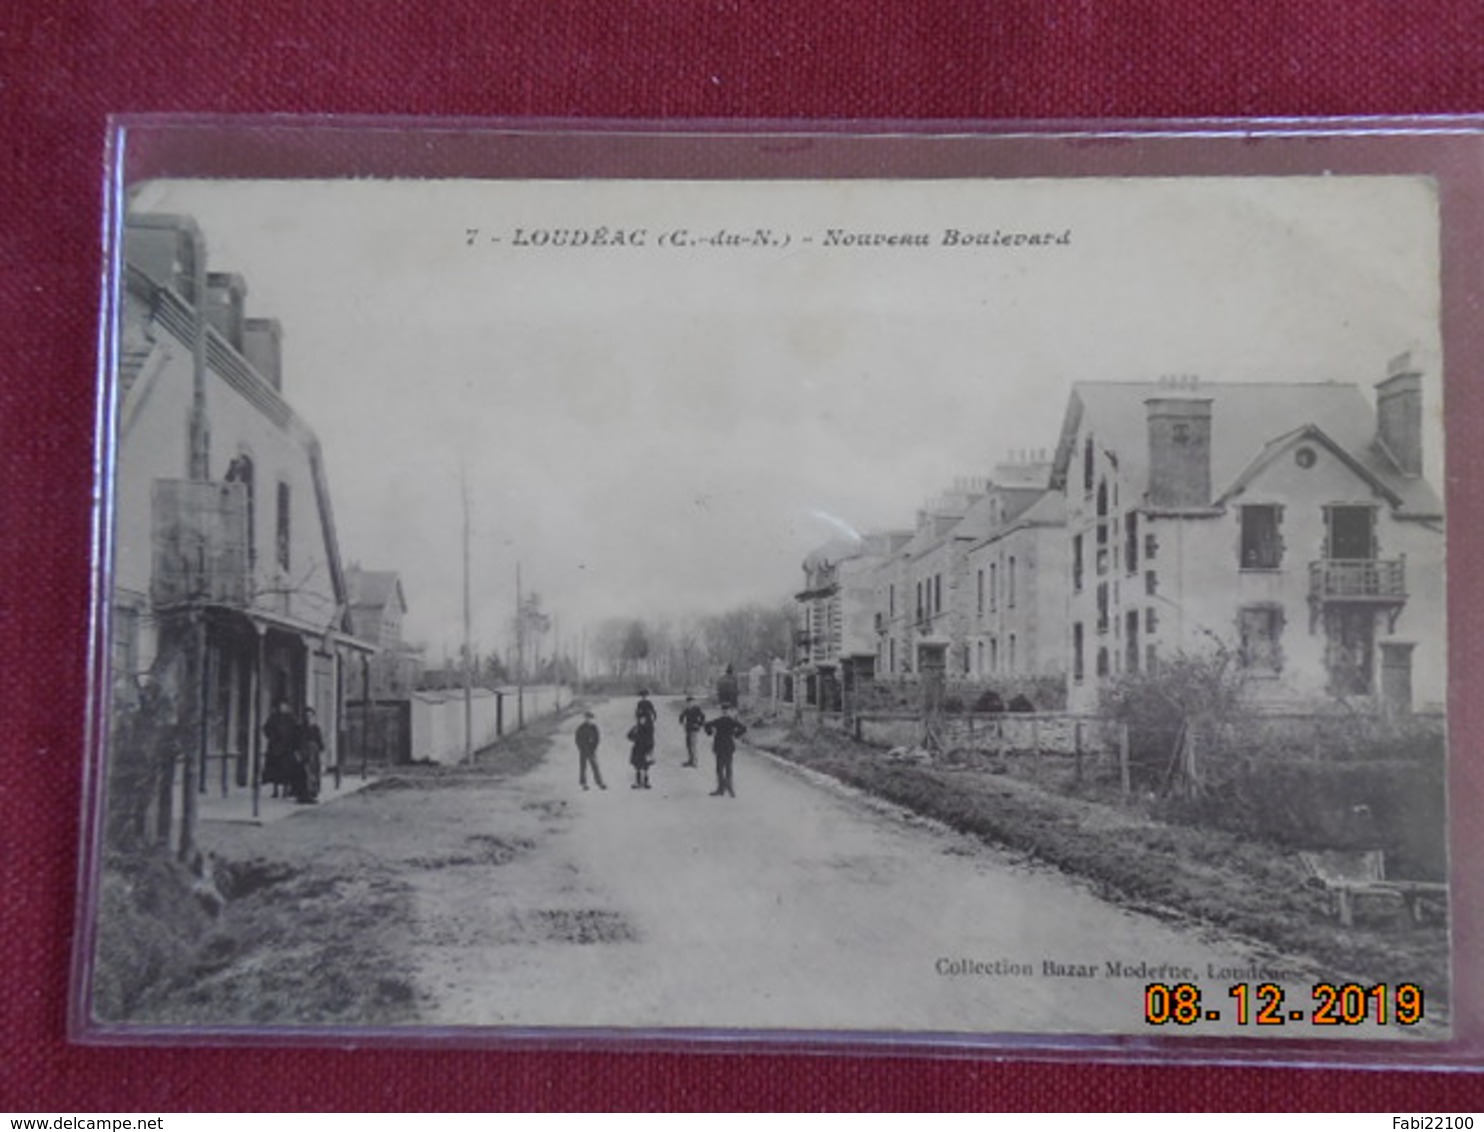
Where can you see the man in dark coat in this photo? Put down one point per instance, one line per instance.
(280, 763)
(587, 751)
(644, 710)
(726, 689)
(726, 731)
(692, 719)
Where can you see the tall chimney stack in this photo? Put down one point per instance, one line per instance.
(262, 346)
(226, 298)
(1399, 414)
(1179, 451)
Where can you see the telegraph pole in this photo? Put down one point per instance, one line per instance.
(468, 655)
(520, 654)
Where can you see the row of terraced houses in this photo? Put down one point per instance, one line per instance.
(1289, 523)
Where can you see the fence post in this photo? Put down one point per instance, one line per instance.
(1123, 758)
(1192, 770)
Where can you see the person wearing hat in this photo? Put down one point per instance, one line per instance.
(727, 730)
(641, 758)
(644, 710)
(587, 751)
(692, 718)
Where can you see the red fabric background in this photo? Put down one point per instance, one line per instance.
(65, 64)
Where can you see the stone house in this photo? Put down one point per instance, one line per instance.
(1017, 593)
(1290, 523)
(835, 637)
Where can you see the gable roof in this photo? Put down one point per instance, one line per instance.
(1315, 435)
(1246, 420)
(374, 589)
(979, 521)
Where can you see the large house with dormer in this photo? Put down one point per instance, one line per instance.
(228, 592)
(1289, 523)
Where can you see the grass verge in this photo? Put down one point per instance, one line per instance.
(1245, 887)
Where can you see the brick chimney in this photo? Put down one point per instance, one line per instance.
(262, 346)
(226, 295)
(1179, 451)
(1399, 414)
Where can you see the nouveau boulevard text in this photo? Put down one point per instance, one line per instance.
(604, 237)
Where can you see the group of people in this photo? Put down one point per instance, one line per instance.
(724, 730)
(292, 762)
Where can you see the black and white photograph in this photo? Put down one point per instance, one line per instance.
(960, 608)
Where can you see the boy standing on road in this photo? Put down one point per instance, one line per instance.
(644, 710)
(727, 731)
(587, 751)
(692, 719)
(641, 758)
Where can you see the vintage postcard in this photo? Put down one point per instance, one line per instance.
(964, 609)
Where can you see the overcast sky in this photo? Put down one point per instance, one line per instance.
(661, 430)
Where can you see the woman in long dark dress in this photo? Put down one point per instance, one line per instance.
(311, 748)
(280, 764)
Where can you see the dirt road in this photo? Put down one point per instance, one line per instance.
(795, 905)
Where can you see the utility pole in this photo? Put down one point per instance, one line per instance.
(468, 655)
(191, 637)
(520, 654)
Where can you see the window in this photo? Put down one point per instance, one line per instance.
(1102, 662)
(937, 593)
(240, 471)
(1078, 670)
(919, 601)
(1087, 461)
(1151, 620)
(1262, 549)
(891, 647)
(1077, 563)
(1131, 543)
(1260, 627)
(979, 593)
(1102, 499)
(1131, 641)
(1102, 607)
(981, 658)
(1151, 583)
(994, 587)
(284, 527)
(994, 654)
(1351, 533)
(1010, 585)
(1012, 652)
(891, 600)
(1151, 545)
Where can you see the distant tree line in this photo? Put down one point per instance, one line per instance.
(686, 652)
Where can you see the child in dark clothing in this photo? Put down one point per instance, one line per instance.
(641, 757)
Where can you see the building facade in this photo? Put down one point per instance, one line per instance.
(835, 635)
(228, 593)
(1290, 524)
(377, 606)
